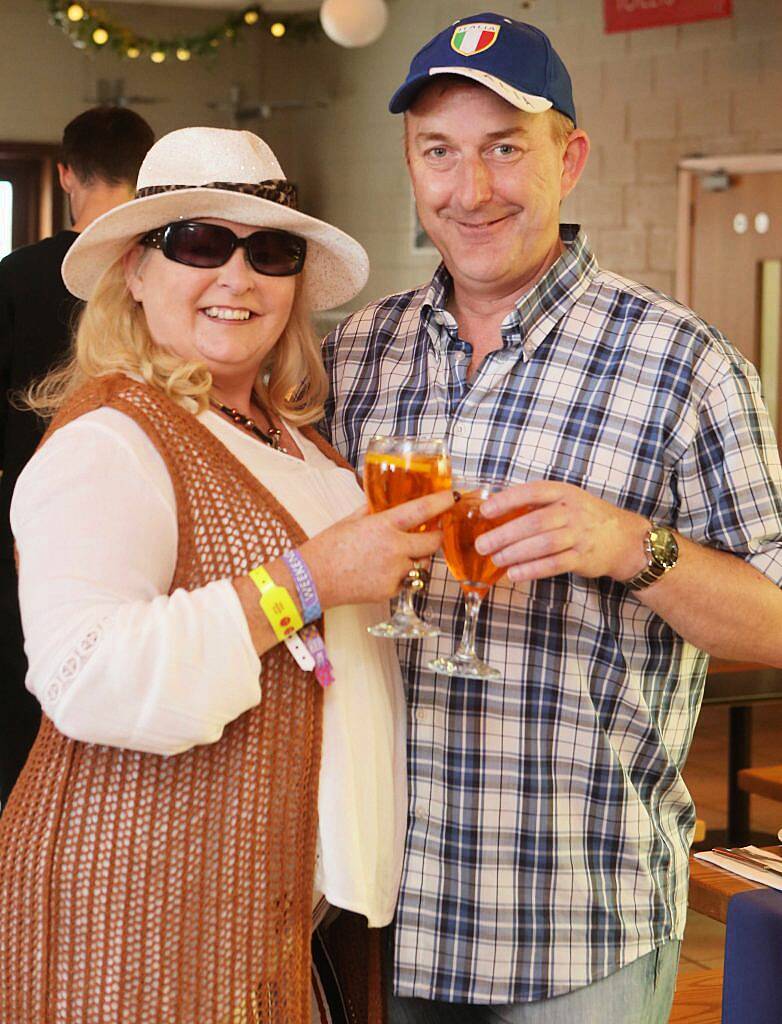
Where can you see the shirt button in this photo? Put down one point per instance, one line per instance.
(53, 691)
(420, 812)
(458, 429)
(422, 715)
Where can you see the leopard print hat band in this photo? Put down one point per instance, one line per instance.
(275, 190)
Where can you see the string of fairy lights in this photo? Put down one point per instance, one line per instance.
(89, 28)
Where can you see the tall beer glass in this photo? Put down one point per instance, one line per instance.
(398, 469)
(462, 525)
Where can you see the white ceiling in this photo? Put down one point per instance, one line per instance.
(283, 6)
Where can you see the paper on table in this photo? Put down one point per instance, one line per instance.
(744, 870)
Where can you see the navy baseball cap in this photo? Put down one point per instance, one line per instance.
(515, 60)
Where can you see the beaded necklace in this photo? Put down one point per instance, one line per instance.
(271, 436)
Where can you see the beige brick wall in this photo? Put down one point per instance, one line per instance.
(647, 98)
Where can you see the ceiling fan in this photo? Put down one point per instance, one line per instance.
(241, 110)
(110, 92)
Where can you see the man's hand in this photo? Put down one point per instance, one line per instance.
(569, 530)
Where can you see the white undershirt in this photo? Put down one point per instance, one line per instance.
(115, 660)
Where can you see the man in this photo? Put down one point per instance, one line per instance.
(545, 875)
(102, 150)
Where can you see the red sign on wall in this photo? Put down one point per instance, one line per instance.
(626, 15)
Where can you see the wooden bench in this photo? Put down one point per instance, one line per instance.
(698, 998)
(765, 781)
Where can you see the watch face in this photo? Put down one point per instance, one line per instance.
(664, 549)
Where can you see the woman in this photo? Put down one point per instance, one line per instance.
(158, 855)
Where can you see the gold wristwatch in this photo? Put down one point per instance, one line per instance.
(662, 554)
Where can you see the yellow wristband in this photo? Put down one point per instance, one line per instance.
(276, 604)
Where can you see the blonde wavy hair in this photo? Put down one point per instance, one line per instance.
(113, 337)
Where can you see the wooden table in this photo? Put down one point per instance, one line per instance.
(711, 888)
(740, 686)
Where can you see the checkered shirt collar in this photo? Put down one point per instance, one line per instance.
(537, 311)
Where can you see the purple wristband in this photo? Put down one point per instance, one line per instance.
(305, 586)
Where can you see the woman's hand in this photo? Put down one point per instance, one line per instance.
(360, 559)
(365, 557)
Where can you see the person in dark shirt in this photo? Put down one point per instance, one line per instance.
(102, 150)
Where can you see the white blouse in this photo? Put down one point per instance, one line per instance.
(114, 659)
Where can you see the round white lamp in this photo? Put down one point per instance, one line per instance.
(353, 22)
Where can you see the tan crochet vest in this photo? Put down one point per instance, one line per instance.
(141, 889)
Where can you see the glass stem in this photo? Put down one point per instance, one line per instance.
(404, 603)
(466, 648)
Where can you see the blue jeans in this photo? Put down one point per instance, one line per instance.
(640, 993)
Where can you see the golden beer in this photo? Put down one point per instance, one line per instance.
(462, 525)
(392, 478)
(398, 469)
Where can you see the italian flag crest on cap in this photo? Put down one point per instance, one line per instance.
(474, 38)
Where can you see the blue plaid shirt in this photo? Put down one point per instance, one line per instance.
(549, 824)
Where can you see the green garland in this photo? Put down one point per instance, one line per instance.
(89, 28)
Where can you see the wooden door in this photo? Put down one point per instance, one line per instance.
(29, 176)
(731, 243)
(23, 178)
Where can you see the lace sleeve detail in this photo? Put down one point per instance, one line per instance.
(72, 666)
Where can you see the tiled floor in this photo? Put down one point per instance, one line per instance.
(706, 776)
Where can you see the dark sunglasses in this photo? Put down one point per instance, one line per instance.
(271, 252)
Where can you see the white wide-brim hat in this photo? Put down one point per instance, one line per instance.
(231, 175)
